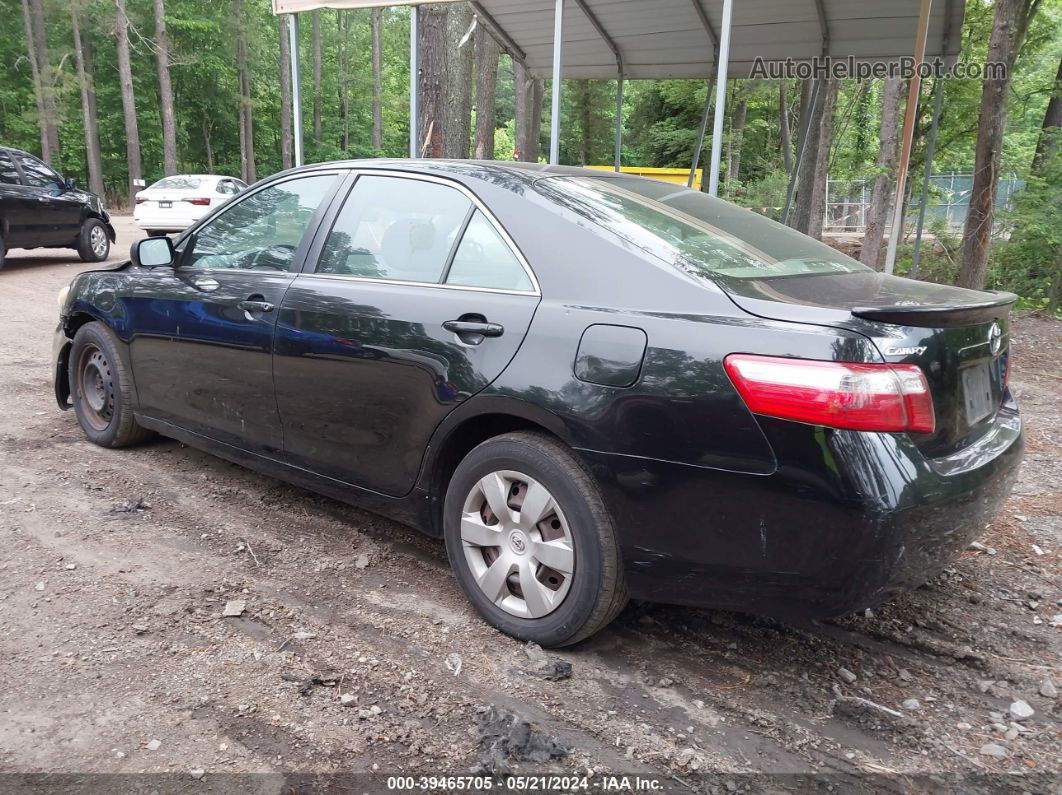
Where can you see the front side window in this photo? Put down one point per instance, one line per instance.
(395, 228)
(484, 259)
(8, 174)
(36, 174)
(263, 231)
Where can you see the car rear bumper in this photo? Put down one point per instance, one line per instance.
(166, 221)
(847, 521)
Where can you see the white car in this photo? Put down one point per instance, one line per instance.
(175, 203)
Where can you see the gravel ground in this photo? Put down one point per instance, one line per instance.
(355, 650)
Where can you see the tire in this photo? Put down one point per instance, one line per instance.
(100, 389)
(565, 607)
(3, 252)
(93, 242)
(155, 233)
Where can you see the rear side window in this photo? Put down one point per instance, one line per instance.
(484, 259)
(395, 228)
(8, 175)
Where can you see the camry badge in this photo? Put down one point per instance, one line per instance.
(995, 338)
(917, 350)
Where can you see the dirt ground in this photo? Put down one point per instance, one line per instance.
(356, 652)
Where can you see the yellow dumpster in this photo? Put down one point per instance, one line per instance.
(676, 176)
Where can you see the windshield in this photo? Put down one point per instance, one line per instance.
(703, 236)
(179, 183)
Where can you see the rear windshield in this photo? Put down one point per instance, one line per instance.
(179, 183)
(703, 236)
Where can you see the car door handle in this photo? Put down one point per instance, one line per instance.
(474, 327)
(255, 306)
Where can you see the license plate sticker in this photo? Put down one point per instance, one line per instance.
(165, 205)
(977, 392)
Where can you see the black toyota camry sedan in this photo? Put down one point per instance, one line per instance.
(593, 386)
(41, 209)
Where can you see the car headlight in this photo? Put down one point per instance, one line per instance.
(61, 298)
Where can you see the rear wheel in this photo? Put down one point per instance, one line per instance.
(3, 252)
(531, 542)
(100, 389)
(93, 243)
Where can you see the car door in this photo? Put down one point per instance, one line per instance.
(202, 340)
(55, 212)
(14, 201)
(412, 300)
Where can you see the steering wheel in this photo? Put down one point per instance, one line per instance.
(272, 251)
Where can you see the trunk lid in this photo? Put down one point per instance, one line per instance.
(958, 337)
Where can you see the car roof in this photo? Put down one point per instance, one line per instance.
(497, 171)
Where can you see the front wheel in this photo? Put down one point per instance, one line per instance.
(93, 243)
(100, 389)
(531, 542)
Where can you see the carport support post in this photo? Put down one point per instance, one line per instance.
(296, 94)
(931, 147)
(722, 67)
(913, 90)
(413, 68)
(619, 116)
(555, 105)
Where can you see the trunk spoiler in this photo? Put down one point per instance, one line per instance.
(940, 315)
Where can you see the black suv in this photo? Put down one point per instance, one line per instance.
(39, 208)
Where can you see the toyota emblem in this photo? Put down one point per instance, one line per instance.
(995, 338)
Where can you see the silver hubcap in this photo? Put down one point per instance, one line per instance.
(98, 241)
(517, 544)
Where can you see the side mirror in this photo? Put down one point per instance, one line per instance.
(69, 184)
(153, 252)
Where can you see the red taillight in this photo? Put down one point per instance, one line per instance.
(860, 397)
(199, 202)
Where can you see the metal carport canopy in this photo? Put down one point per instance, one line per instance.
(667, 38)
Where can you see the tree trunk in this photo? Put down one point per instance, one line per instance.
(38, 86)
(878, 210)
(125, 78)
(527, 115)
(285, 93)
(534, 140)
(737, 135)
(1009, 25)
(377, 80)
(582, 88)
(342, 23)
(48, 76)
(459, 81)
(431, 82)
(247, 165)
(487, 53)
(805, 186)
(169, 124)
(207, 145)
(1051, 130)
(785, 138)
(93, 162)
(822, 160)
(316, 44)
